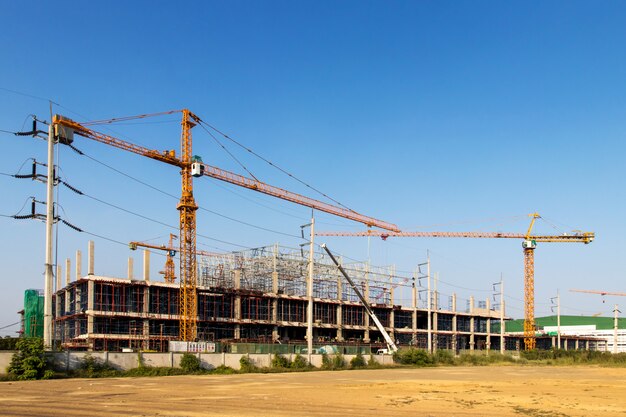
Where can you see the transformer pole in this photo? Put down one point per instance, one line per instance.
(558, 318)
(615, 327)
(502, 347)
(429, 301)
(309, 293)
(47, 317)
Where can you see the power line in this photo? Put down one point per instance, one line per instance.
(9, 325)
(202, 123)
(29, 95)
(173, 196)
(142, 216)
(229, 152)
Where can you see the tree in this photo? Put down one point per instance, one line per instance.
(29, 361)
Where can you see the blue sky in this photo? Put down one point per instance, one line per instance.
(432, 115)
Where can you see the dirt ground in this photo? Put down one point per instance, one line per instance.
(461, 391)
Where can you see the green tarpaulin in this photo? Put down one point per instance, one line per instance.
(33, 313)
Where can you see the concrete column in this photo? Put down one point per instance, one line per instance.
(488, 342)
(237, 303)
(275, 334)
(77, 294)
(339, 322)
(79, 263)
(90, 258)
(454, 328)
(472, 342)
(146, 300)
(435, 330)
(131, 268)
(366, 319)
(553, 342)
(146, 265)
(339, 309)
(67, 301)
(59, 275)
(414, 311)
(91, 294)
(146, 334)
(57, 308)
(68, 268)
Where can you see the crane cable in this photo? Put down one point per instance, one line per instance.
(127, 118)
(203, 124)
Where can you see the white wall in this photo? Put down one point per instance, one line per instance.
(64, 361)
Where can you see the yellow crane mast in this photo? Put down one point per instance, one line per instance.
(529, 243)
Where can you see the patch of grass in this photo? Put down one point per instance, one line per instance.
(223, 370)
(154, 371)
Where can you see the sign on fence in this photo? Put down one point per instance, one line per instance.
(194, 347)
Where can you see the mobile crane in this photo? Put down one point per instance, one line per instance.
(391, 346)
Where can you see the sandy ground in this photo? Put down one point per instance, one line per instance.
(463, 391)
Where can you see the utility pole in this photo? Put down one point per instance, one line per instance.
(309, 292)
(47, 320)
(501, 284)
(615, 326)
(558, 317)
(430, 306)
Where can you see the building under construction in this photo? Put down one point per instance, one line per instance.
(260, 295)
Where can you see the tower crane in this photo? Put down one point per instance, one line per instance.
(192, 166)
(169, 272)
(616, 311)
(529, 243)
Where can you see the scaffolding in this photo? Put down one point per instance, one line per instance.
(260, 295)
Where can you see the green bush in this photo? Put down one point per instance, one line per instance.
(279, 361)
(338, 361)
(444, 357)
(223, 370)
(332, 363)
(358, 361)
(29, 361)
(9, 343)
(373, 363)
(413, 356)
(246, 365)
(91, 367)
(299, 362)
(190, 363)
